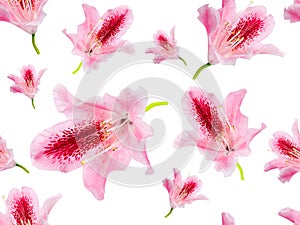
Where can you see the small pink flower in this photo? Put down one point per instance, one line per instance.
(292, 13)
(287, 149)
(26, 14)
(220, 132)
(166, 47)
(182, 192)
(102, 135)
(6, 156)
(290, 214)
(234, 35)
(227, 219)
(7, 159)
(99, 36)
(23, 208)
(28, 83)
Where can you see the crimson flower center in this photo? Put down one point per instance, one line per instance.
(207, 116)
(245, 31)
(28, 77)
(288, 149)
(23, 211)
(187, 189)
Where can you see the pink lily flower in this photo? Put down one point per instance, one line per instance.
(7, 159)
(287, 149)
(234, 35)
(182, 192)
(166, 47)
(26, 14)
(23, 208)
(290, 214)
(28, 83)
(220, 132)
(292, 13)
(99, 36)
(101, 135)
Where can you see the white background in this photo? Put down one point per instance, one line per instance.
(272, 98)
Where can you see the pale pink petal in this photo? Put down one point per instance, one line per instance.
(295, 130)
(63, 100)
(5, 220)
(290, 214)
(274, 164)
(168, 184)
(292, 13)
(94, 182)
(141, 130)
(287, 173)
(267, 49)
(48, 205)
(177, 177)
(23, 206)
(227, 219)
(225, 164)
(209, 17)
(92, 19)
(244, 138)
(97, 169)
(232, 109)
(187, 138)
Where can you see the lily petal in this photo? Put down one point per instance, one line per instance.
(227, 219)
(290, 214)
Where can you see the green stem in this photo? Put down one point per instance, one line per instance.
(78, 68)
(22, 167)
(169, 213)
(184, 62)
(200, 70)
(34, 44)
(32, 103)
(241, 171)
(154, 104)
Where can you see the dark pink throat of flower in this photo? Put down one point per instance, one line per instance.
(72, 143)
(207, 116)
(23, 211)
(25, 4)
(187, 189)
(246, 30)
(111, 26)
(288, 149)
(28, 77)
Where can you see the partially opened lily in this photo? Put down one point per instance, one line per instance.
(166, 47)
(28, 83)
(292, 13)
(100, 36)
(26, 14)
(7, 159)
(287, 149)
(182, 192)
(290, 214)
(102, 135)
(220, 131)
(23, 208)
(233, 35)
(227, 219)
